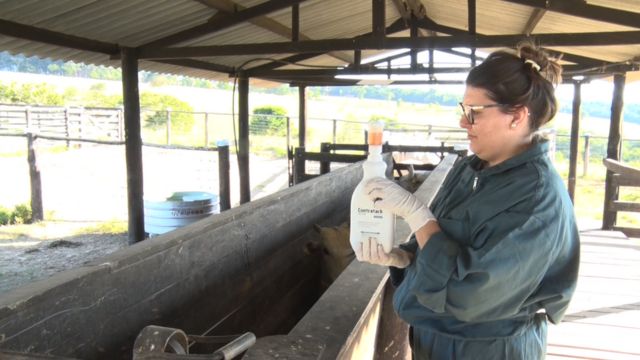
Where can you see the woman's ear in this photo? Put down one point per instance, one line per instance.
(521, 115)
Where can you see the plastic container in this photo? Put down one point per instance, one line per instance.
(177, 210)
(366, 220)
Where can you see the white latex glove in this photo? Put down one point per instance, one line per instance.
(372, 252)
(388, 195)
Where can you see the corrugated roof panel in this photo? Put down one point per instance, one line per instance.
(607, 53)
(626, 5)
(554, 22)
(137, 22)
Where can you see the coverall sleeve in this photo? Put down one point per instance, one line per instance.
(491, 278)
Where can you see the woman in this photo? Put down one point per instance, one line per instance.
(498, 252)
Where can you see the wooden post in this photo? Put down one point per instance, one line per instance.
(37, 213)
(121, 123)
(168, 126)
(66, 125)
(298, 166)
(335, 130)
(302, 121)
(614, 146)
(586, 156)
(289, 154)
(325, 166)
(27, 118)
(206, 130)
(133, 144)
(575, 130)
(243, 141)
(224, 182)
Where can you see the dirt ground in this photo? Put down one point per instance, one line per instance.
(35, 252)
(85, 188)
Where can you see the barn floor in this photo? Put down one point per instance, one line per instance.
(603, 320)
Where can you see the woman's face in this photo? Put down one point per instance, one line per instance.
(493, 136)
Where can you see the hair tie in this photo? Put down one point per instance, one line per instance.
(533, 64)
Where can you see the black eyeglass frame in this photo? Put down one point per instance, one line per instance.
(468, 115)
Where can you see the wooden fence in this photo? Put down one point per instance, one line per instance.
(69, 122)
(328, 154)
(619, 175)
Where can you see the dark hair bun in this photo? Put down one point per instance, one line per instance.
(547, 67)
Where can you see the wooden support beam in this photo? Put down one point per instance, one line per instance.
(429, 24)
(295, 22)
(575, 137)
(198, 64)
(392, 43)
(587, 11)
(471, 9)
(378, 18)
(228, 7)
(133, 144)
(362, 70)
(27, 32)
(614, 146)
(302, 116)
(533, 21)
(222, 23)
(243, 139)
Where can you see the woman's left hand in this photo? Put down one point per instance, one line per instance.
(372, 252)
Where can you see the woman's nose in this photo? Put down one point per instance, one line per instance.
(463, 122)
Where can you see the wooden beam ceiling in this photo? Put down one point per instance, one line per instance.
(221, 23)
(392, 43)
(582, 9)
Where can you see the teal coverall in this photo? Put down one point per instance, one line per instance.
(506, 260)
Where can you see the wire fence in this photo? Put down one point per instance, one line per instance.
(96, 173)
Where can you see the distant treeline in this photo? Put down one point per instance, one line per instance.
(9, 62)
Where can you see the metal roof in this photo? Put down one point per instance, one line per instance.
(215, 38)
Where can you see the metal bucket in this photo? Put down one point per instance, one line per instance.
(177, 210)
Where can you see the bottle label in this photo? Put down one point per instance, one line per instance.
(371, 223)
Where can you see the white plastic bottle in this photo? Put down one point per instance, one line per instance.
(366, 220)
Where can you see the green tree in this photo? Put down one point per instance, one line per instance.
(268, 120)
(158, 104)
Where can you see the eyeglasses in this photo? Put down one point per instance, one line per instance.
(468, 110)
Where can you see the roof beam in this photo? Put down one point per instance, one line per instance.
(584, 10)
(533, 21)
(427, 23)
(295, 73)
(197, 64)
(397, 26)
(225, 22)
(378, 18)
(32, 33)
(230, 7)
(391, 43)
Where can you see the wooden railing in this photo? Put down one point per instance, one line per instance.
(621, 175)
(329, 154)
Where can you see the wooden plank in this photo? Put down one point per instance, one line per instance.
(624, 206)
(620, 168)
(618, 180)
